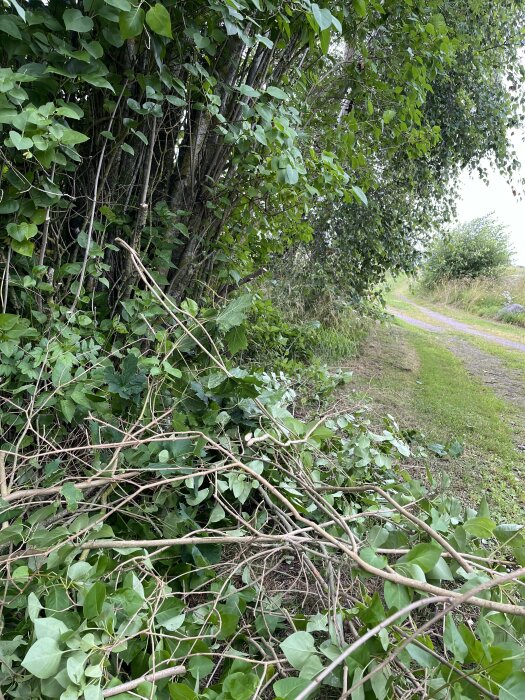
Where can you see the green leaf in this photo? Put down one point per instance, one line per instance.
(289, 688)
(75, 21)
(425, 555)
(359, 7)
(396, 596)
(25, 248)
(128, 149)
(388, 115)
(70, 137)
(513, 688)
(453, 640)
(131, 23)
(323, 17)
(236, 339)
(440, 572)
(22, 232)
(158, 20)
(75, 666)
(240, 686)
(72, 495)
(200, 666)
(235, 313)
(21, 143)
(171, 619)
(8, 25)
(94, 600)
(480, 527)
(43, 658)
(123, 5)
(510, 533)
(249, 91)
(297, 648)
(179, 691)
(360, 194)
(277, 93)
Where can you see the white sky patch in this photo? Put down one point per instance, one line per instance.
(476, 199)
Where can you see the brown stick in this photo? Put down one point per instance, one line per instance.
(147, 677)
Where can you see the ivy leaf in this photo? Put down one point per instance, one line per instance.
(75, 21)
(158, 20)
(43, 658)
(298, 648)
(131, 23)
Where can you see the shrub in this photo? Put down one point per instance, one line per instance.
(478, 248)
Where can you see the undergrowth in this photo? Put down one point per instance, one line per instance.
(173, 529)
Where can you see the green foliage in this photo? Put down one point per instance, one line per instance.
(479, 248)
(114, 591)
(168, 496)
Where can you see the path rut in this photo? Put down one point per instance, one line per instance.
(505, 382)
(446, 321)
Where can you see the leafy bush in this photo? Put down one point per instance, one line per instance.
(172, 523)
(478, 248)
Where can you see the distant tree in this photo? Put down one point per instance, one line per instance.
(478, 248)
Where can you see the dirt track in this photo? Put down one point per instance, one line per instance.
(505, 382)
(446, 323)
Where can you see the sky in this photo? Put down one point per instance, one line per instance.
(477, 199)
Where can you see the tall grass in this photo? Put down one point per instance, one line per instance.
(484, 296)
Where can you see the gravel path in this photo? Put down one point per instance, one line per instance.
(446, 323)
(505, 382)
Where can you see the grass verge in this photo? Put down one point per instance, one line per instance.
(416, 378)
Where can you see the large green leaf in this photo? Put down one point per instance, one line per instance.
(158, 20)
(235, 313)
(298, 648)
(480, 527)
(425, 555)
(396, 596)
(75, 21)
(43, 658)
(131, 23)
(513, 688)
(453, 640)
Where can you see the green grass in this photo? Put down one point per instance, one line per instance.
(430, 390)
(503, 330)
(483, 296)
